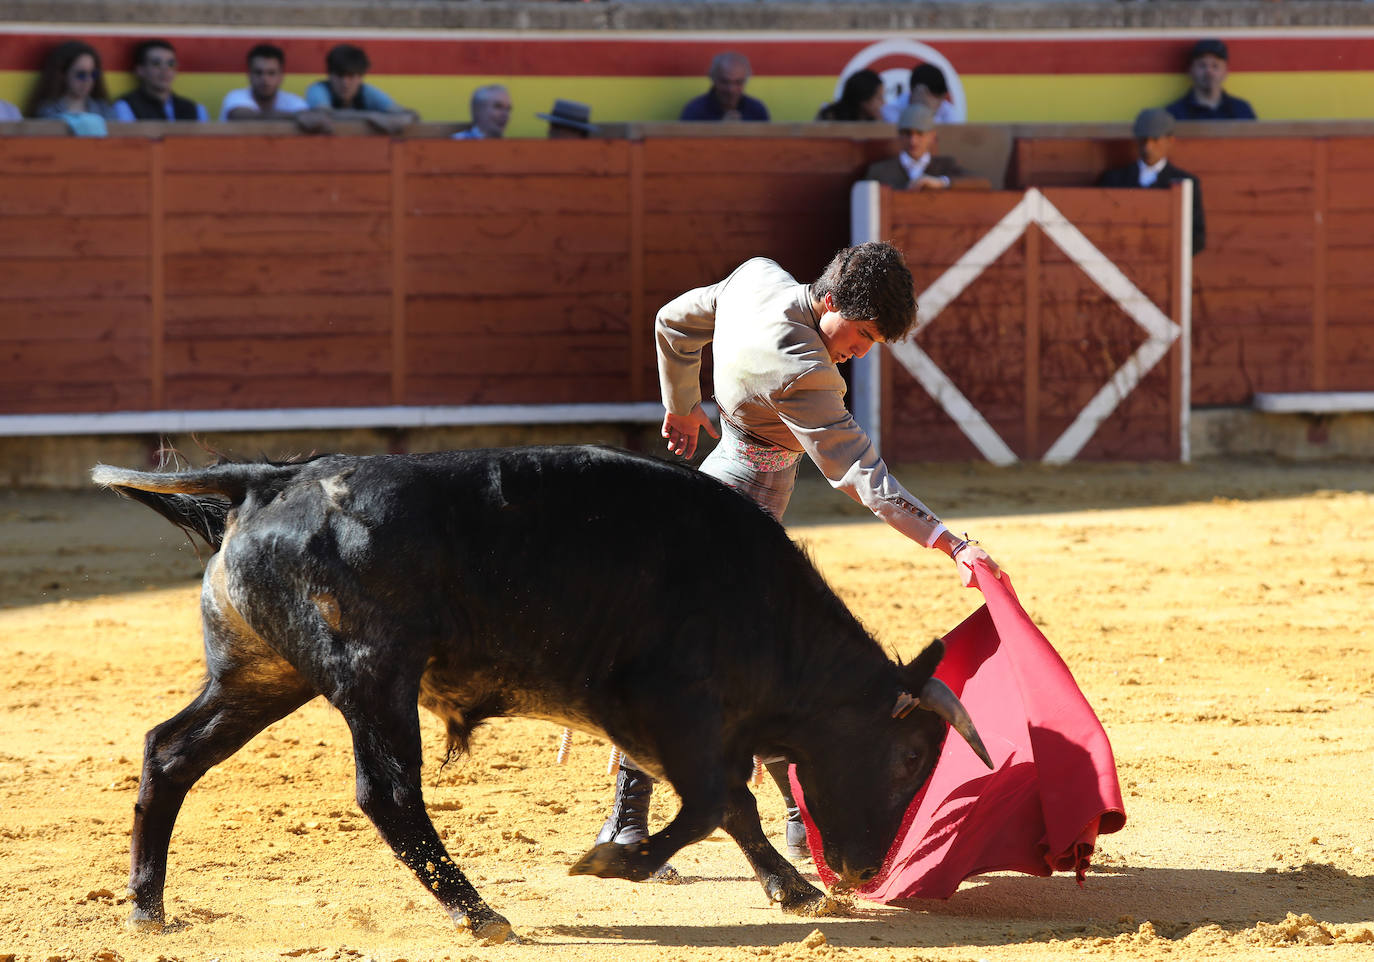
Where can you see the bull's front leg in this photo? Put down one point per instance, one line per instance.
(779, 878)
(386, 749)
(699, 816)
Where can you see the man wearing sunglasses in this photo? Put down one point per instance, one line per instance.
(155, 63)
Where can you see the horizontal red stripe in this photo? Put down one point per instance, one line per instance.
(639, 57)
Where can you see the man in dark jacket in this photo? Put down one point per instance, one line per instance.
(726, 100)
(1154, 133)
(1208, 66)
(155, 64)
(916, 167)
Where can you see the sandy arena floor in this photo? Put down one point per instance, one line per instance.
(1217, 616)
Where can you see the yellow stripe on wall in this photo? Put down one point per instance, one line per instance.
(1033, 98)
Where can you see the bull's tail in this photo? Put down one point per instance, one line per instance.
(198, 502)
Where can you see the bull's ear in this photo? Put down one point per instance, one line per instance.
(919, 670)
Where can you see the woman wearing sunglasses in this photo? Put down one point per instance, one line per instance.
(72, 88)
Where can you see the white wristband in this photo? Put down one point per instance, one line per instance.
(935, 535)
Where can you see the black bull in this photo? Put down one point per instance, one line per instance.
(615, 594)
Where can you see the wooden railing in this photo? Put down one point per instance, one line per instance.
(230, 268)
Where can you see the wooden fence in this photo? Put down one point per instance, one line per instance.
(266, 272)
(227, 270)
(1059, 342)
(1283, 295)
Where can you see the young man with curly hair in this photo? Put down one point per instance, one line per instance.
(777, 345)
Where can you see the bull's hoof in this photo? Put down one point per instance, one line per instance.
(821, 906)
(609, 860)
(797, 896)
(145, 921)
(487, 928)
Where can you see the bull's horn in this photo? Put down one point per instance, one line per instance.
(937, 697)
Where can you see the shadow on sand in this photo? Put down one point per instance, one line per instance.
(1007, 909)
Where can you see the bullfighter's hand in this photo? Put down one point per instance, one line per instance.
(680, 430)
(968, 557)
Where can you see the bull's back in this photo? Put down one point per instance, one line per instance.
(572, 562)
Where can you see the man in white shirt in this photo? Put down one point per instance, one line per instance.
(777, 345)
(263, 98)
(1154, 136)
(928, 88)
(491, 109)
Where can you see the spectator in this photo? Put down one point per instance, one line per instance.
(1154, 134)
(915, 167)
(9, 113)
(72, 88)
(569, 119)
(346, 95)
(726, 100)
(263, 98)
(928, 87)
(490, 113)
(861, 98)
(155, 64)
(1208, 66)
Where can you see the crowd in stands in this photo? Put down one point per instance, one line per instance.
(71, 88)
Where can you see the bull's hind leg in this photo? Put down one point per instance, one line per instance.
(779, 877)
(386, 749)
(176, 754)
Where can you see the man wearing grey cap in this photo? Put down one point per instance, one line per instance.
(1154, 134)
(916, 167)
(1208, 65)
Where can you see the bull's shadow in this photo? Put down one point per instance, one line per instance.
(1008, 909)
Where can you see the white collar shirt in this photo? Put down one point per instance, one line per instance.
(1149, 173)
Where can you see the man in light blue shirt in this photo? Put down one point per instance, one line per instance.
(345, 94)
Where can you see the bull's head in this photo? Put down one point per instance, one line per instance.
(878, 756)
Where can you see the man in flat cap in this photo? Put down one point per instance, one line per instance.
(916, 167)
(1208, 65)
(1154, 135)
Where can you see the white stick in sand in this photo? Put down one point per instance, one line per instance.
(564, 745)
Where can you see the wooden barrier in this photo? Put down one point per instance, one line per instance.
(241, 272)
(1283, 297)
(244, 268)
(1025, 338)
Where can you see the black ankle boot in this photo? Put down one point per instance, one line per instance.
(795, 831)
(629, 819)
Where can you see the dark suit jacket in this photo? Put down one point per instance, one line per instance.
(1130, 177)
(893, 174)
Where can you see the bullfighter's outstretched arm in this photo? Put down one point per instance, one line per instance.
(813, 409)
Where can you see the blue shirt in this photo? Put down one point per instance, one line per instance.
(707, 107)
(1230, 108)
(320, 96)
(124, 113)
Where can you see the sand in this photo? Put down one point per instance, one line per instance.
(1218, 617)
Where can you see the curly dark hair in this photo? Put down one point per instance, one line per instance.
(871, 282)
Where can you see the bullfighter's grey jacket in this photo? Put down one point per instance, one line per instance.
(775, 381)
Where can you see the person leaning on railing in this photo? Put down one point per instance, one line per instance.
(71, 88)
(263, 98)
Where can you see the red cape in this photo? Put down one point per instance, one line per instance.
(1054, 787)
